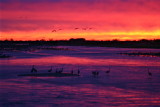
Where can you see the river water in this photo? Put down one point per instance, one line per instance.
(127, 85)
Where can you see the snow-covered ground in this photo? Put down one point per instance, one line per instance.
(127, 84)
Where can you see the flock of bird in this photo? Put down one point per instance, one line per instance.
(57, 71)
(94, 73)
(87, 28)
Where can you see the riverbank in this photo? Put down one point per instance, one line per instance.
(25, 45)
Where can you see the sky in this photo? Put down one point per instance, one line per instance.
(89, 19)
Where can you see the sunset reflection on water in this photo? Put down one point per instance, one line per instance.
(128, 83)
(81, 94)
(77, 60)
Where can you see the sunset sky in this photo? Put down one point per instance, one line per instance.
(90, 19)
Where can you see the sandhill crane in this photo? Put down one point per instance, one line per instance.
(50, 69)
(95, 73)
(76, 28)
(33, 69)
(54, 30)
(56, 70)
(78, 71)
(149, 73)
(72, 71)
(108, 71)
(84, 28)
(60, 71)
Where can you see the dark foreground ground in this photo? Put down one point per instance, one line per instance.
(48, 45)
(21, 45)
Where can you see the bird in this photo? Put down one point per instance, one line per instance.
(108, 71)
(149, 73)
(78, 71)
(33, 69)
(56, 70)
(61, 70)
(50, 69)
(95, 73)
(76, 28)
(72, 71)
(54, 31)
(84, 28)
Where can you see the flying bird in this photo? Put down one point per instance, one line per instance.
(84, 28)
(76, 28)
(54, 30)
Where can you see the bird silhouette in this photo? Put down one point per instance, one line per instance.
(56, 70)
(149, 73)
(50, 69)
(72, 71)
(61, 70)
(78, 71)
(76, 28)
(33, 69)
(108, 71)
(95, 73)
(54, 30)
(84, 28)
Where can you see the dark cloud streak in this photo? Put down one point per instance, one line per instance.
(91, 1)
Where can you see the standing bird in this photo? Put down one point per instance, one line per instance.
(56, 70)
(149, 73)
(60, 71)
(95, 73)
(78, 71)
(108, 71)
(50, 69)
(33, 69)
(72, 71)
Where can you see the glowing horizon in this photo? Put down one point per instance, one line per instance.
(99, 36)
(89, 19)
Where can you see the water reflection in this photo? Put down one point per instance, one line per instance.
(65, 95)
(79, 61)
(126, 85)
